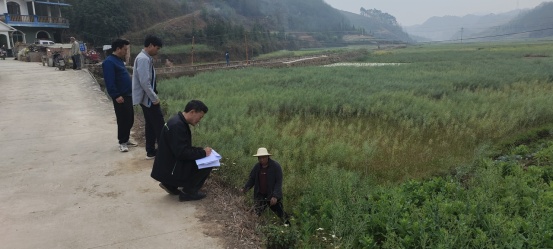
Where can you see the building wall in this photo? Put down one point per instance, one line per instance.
(3, 7)
(22, 6)
(30, 33)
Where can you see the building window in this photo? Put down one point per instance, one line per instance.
(18, 37)
(42, 35)
(13, 8)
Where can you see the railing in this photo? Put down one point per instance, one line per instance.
(34, 20)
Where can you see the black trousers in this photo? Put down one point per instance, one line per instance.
(262, 202)
(125, 118)
(76, 61)
(194, 182)
(154, 124)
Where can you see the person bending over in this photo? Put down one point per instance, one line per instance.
(175, 164)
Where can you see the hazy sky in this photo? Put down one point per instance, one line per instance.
(410, 12)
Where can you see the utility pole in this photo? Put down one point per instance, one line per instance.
(192, 63)
(246, 39)
(462, 29)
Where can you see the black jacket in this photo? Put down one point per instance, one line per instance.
(175, 155)
(274, 180)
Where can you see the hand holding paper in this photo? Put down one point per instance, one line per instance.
(210, 161)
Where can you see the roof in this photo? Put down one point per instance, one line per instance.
(4, 27)
(52, 3)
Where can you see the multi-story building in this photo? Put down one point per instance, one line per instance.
(28, 21)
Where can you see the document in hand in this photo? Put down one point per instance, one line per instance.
(210, 161)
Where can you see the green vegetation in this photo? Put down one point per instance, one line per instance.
(346, 136)
(98, 21)
(177, 49)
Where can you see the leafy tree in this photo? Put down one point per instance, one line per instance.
(99, 20)
(204, 14)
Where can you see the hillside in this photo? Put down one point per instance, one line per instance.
(274, 24)
(98, 21)
(377, 27)
(538, 18)
(270, 25)
(449, 27)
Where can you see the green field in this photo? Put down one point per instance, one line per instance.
(392, 156)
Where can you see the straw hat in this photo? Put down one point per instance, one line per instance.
(262, 152)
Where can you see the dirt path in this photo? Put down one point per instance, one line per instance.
(63, 182)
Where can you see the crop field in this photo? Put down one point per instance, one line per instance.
(393, 155)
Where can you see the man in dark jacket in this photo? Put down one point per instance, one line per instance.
(266, 176)
(175, 163)
(119, 86)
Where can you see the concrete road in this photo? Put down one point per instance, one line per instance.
(63, 181)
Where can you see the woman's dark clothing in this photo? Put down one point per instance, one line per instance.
(175, 162)
(263, 181)
(263, 202)
(274, 180)
(273, 188)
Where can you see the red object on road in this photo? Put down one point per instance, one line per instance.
(93, 56)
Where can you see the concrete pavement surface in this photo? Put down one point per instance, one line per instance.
(63, 181)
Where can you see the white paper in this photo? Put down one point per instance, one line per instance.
(210, 161)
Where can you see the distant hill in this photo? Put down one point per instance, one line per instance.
(285, 24)
(378, 28)
(539, 18)
(270, 25)
(449, 27)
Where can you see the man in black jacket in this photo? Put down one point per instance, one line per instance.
(175, 163)
(266, 176)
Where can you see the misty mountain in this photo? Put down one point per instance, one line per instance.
(538, 18)
(449, 27)
(379, 27)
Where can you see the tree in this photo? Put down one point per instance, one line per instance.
(99, 21)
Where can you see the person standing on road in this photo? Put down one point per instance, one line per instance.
(175, 164)
(144, 92)
(266, 177)
(119, 87)
(75, 54)
(227, 55)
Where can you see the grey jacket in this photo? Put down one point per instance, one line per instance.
(75, 49)
(143, 80)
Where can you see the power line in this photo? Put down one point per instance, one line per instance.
(491, 36)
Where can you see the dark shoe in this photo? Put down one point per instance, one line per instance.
(151, 155)
(194, 197)
(131, 144)
(171, 191)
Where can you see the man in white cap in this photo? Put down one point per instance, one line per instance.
(266, 176)
(75, 54)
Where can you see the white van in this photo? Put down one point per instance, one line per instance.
(44, 42)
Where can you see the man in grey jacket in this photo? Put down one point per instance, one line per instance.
(144, 92)
(75, 54)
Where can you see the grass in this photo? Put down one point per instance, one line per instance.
(344, 134)
(176, 49)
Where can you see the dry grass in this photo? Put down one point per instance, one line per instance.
(238, 221)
